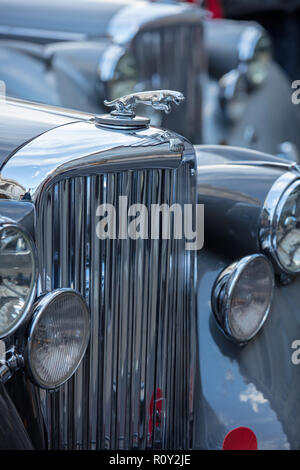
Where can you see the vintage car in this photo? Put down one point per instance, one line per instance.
(111, 341)
(77, 53)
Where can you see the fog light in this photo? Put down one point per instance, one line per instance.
(58, 338)
(242, 297)
(17, 277)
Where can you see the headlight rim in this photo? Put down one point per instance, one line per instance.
(107, 69)
(247, 49)
(30, 302)
(41, 304)
(229, 87)
(268, 220)
(223, 291)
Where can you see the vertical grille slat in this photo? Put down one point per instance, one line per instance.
(132, 390)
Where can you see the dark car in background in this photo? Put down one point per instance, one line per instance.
(73, 54)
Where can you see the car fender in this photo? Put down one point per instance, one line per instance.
(255, 385)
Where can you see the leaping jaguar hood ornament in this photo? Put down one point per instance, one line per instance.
(159, 100)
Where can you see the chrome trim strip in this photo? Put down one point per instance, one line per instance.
(159, 100)
(82, 147)
(109, 60)
(248, 42)
(50, 109)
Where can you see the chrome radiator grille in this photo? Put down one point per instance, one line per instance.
(134, 388)
(172, 57)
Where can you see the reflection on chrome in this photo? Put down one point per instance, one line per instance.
(280, 223)
(253, 396)
(17, 276)
(288, 230)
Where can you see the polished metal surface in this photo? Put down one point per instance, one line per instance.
(83, 148)
(122, 121)
(160, 100)
(233, 94)
(135, 386)
(223, 292)
(248, 42)
(22, 121)
(40, 309)
(123, 114)
(268, 222)
(141, 15)
(162, 53)
(5, 224)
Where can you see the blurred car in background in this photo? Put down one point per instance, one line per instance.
(280, 18)
(73, 53)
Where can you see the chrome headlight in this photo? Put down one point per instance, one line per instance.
(233, 94)
(17, 277)
(58, 338)
(255, 54)
(118, 70)
(235, 44)
(280, 225)
(242, 297)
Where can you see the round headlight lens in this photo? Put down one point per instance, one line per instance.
(242, 297)
(58, 338)
(17, 277)
(287, 229)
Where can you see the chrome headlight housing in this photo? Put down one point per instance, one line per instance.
(118, 71)
(58, 337)
(18, 274)
(242, 297)
(280, 223)
(241, 45)
(255, 54)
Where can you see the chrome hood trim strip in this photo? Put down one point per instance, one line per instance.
(76, 147)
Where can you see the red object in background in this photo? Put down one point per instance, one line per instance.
(158, 409)
(240, 439)
(215, 7)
